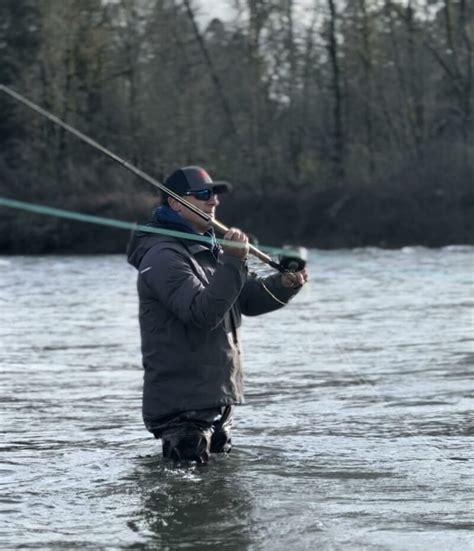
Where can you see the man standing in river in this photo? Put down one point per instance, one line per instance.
(192, 294)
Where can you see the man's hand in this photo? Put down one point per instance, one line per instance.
(241, 249)
(294, 279)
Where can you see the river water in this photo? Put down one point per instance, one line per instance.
(356, 434)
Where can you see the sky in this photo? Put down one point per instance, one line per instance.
(215, 8)
(208, 9)
(223, 8)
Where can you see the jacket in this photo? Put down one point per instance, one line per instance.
(190, 309)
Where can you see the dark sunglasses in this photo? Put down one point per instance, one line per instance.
(201, 194)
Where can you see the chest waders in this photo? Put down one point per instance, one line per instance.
(194, 435)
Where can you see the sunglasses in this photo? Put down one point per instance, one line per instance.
(201, 194)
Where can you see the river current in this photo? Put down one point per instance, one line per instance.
(356, 433)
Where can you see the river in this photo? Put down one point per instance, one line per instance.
(356, 433)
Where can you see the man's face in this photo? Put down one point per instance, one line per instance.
(197, 223)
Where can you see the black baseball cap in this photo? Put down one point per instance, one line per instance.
(193, 178)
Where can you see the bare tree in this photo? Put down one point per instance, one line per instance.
(336, 87)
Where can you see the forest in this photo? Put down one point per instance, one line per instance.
(340, 123)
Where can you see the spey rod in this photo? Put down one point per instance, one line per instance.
(143, 175)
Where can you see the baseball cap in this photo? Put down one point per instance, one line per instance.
(191, 178)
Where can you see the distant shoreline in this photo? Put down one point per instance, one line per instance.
(328, 220)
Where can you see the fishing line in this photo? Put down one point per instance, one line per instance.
(121, 224)
(142, 175)
(92, 219)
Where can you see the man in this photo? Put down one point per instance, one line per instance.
(192, 294)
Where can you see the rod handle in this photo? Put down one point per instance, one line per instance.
(252, 249)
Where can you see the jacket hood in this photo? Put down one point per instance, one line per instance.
(140, 243)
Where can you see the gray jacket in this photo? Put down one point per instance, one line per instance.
(190, 316)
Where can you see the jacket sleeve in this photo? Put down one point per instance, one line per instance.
(256, 296)
(169, 275)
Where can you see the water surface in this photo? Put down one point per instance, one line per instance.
(356, 434)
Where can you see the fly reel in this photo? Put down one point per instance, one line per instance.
(294, 260)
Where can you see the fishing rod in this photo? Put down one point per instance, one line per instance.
(292, 262)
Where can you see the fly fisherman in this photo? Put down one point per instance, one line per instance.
(192, 295)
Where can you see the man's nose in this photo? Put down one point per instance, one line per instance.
(214, 200)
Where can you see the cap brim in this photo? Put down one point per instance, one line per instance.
(220, 187)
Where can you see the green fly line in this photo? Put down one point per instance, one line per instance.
(121, 224)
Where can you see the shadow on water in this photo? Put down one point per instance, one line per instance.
(196, 506)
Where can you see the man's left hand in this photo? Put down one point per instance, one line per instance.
(294, 279)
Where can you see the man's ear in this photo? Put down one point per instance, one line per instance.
(175, 205)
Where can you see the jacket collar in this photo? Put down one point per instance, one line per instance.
(166, 217)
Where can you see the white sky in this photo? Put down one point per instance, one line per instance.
(223, 8)
(215, 8)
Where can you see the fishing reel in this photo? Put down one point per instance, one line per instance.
(294, 260)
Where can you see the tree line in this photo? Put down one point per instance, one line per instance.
(339, 123)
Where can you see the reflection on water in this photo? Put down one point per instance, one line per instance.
(355, 434)
(204, 506)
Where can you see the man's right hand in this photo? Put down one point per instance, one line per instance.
(241, 249)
